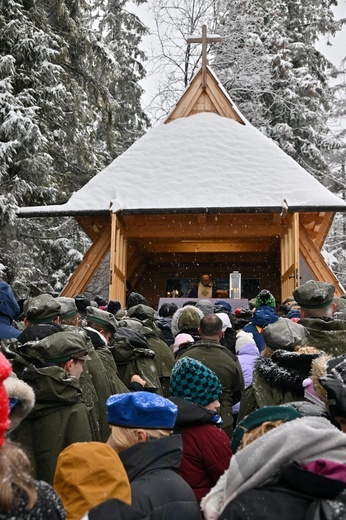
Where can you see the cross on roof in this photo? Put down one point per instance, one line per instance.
(204, 39)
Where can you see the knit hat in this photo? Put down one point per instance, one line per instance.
(167, 309)
(113, 306)
(314, 294)
(141, 410)
(243, 338)
(194, 382)
(185, 319)
(101, 302)
(180, 339)
(265, 298)
(258, 417)
(134, 299)
(103, 317)
(285, 334)
(5, 370)
(68, 307)
(42, 308)
(205, 306)
(226, 322)
(82, 303)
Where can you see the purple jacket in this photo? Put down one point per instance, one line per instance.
(247, 356)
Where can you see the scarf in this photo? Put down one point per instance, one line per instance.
(259, 463)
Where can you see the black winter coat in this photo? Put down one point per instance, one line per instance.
(48, 505)
(157, 489)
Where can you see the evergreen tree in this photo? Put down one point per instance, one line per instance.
(69, 104)
(296, 100)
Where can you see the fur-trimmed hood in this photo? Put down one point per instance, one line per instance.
(285, 370)
(186, 319)
(24, 394)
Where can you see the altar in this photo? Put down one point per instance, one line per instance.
(234, 302)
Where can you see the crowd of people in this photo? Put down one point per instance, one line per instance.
(200, 411)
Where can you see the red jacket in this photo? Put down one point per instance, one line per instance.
(206, 448)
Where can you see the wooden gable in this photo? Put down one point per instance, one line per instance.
(212, 98)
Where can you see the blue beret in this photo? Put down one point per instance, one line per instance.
(141, 410)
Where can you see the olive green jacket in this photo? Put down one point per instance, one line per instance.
(58, 419)
(326, 334)
(227, 367)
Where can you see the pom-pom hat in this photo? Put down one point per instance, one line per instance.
(193, 381)
(141, 410)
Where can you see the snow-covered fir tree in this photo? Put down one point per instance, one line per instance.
(69, 104)
(295, 99)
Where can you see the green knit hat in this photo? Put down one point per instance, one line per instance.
(265, 297)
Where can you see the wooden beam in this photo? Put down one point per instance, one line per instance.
(315, 261)
(207, 247)
(92, 225)
(80, 279)
(203, 226)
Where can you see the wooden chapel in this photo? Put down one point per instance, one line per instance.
(202, 192)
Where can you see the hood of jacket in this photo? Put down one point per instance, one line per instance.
(151, 456)
(8, 304)
(285, 370)
(39, 331)
(54, 388)
(190, 414)
(261, 461)
(264, 315)
(87, 474)
(185, 319)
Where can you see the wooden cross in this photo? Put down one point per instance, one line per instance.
(204, 39)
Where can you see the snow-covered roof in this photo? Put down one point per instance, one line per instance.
(198, 162)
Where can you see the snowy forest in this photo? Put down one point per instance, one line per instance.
(70, 103)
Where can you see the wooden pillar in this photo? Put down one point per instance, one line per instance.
(315, 261)
(118, 259)
(290, 270)
(80, 279)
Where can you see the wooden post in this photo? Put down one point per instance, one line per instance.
(117, 279)
(290, 268)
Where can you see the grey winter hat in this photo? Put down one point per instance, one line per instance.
(206, 306)
(42, 308)
(314, 294)
(103, 317)
(285, 334)
(68, 307)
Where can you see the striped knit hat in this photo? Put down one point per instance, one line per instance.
(194, 382)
